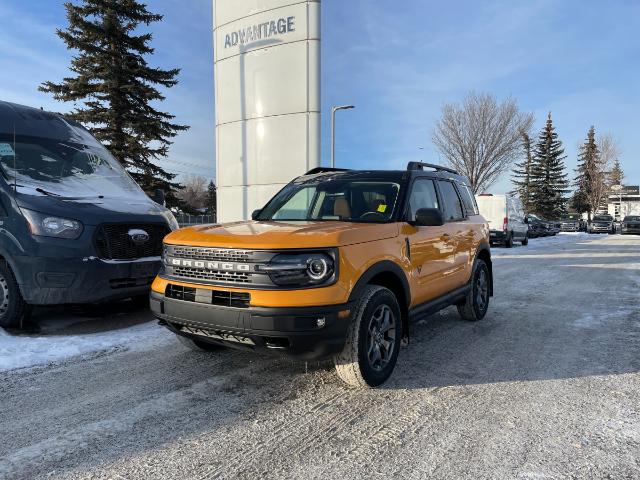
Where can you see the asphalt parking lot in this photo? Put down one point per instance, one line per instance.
(547, 386)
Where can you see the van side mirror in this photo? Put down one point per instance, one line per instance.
(428, 217)
(159, 197)
(254, 214)
(526, 220)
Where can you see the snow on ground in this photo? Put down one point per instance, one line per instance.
(545, 242)
(28, 350)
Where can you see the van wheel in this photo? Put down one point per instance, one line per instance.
(476, 303)
(373, 339)
(199, 345)
(13, 308)
(525, 240)
(508, 243)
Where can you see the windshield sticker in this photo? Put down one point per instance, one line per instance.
(382, 208)
(6, 150)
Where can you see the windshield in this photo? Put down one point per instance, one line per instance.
(573, 217)
(634, 218)
(321, 199)
(63, 168)
(602, 218)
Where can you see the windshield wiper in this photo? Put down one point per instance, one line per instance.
(45, 192)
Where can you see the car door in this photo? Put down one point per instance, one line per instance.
(459, 231)
(431, 250)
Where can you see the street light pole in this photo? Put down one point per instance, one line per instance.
(333, 131)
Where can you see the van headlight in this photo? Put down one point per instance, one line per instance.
(171, 220)
(301, 269)
(51, 226)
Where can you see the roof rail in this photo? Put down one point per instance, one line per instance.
(325, 169)
(421, 166)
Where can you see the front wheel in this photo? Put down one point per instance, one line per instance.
(373, 340)
(476, 303)
(13, 308)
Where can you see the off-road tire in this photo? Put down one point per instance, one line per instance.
(472, 310)
(352, 364)
(13, 308)
(525, 240)
(199, 345)
(508, 242)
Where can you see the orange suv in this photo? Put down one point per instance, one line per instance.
(334, 266)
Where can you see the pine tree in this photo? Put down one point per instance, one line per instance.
(548, 180)
(212, 199)
(616, 176)
(590, 177)
(117, 87)
(522, 175)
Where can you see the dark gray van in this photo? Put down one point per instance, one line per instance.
(74, 226)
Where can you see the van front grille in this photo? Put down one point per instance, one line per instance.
(114, 242)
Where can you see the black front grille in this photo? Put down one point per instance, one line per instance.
(212, 297)
(215, 276)
(113, 242)
(212, 254)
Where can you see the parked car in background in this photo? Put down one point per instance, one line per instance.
(76, 228)
(571, 222)
(601, 224)
(630, 225)
(505, 217)
(537, 226)
(554, 227)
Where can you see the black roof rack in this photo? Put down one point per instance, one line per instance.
(437, 168)
(313, 171)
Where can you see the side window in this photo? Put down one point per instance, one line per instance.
(452, 205)
(468, 199)
(423, 195)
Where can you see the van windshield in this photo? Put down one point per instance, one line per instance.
(63, 168)
(361, 200)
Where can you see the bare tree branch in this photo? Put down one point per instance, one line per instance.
(481, 138)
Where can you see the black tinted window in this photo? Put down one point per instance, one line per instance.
(452, 205)
(468, 199)
(423, 195)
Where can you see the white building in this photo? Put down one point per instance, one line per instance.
(625, 202)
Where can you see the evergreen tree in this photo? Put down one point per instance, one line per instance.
(616, 176)
(117, 87)
(548, 180)
(522, 175)
(590, 179)
(211, 202)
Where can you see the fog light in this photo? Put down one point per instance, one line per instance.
(320, 322)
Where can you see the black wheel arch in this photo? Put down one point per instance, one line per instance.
(388, 274)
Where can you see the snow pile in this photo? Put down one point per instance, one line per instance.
(20, 351)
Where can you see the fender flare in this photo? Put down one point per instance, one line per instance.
(383, 266)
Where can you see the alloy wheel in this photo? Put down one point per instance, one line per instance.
(381, 337)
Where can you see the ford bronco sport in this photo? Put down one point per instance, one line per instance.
(334, 266)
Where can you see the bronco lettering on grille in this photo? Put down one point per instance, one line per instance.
(237, 267)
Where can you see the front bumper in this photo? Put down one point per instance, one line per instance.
(52, 281)
(634, 229)
(570, 228)
(598, 228)
(308, 333)
(497, 236)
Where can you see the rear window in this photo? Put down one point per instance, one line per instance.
(452, 206)
(468, 199)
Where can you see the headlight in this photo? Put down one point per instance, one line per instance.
(301, 269)
(171, 220)
(49, 226)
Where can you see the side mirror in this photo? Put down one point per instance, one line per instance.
(159, 197)
(526, 220)
(428, 217)
(254, 214)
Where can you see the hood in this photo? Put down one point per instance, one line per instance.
(94, 211)
(278, 235)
